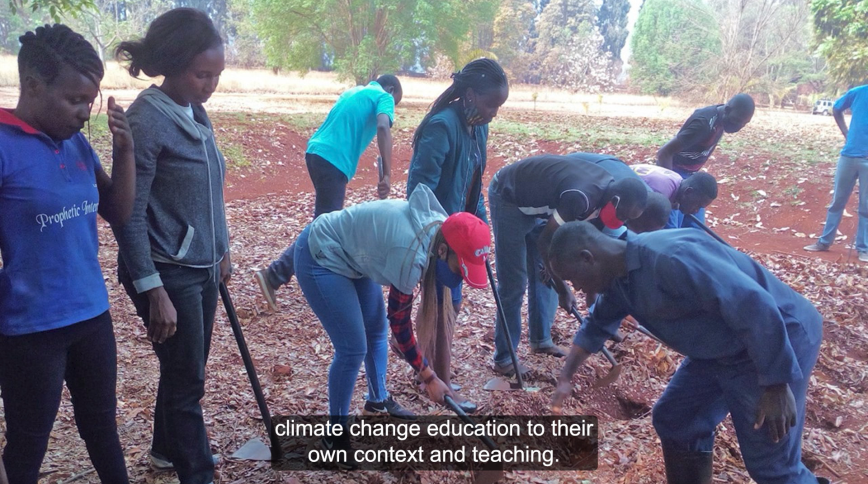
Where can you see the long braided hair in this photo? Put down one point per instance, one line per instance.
(483, 75)
(45, 51)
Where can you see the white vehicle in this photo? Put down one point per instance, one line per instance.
(823, 106)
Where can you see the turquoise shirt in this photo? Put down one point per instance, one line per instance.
(350, 126)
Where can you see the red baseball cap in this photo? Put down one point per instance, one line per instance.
(470, 238)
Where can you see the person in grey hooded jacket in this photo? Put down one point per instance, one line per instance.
(344, 258)
(175, 248)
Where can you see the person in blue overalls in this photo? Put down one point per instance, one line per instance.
(750, 340)
(55, 324)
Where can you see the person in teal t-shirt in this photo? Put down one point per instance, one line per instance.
(332, 157)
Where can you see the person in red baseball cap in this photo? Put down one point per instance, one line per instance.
(469, 238)
(341, 261)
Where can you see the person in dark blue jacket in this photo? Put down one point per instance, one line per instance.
(449, 155)
(750, 343)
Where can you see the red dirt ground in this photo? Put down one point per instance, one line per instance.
(289, 177)
(270, 200)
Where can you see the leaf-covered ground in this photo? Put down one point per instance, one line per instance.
(776, 178)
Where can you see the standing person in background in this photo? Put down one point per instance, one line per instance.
(332, 157)
(175, 248)
(852, 165)
(449, 156)
(688, 151)
(55, 324)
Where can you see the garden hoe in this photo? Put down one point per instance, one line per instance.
(499, 384)
(615, 372)
(254, 449)
(484, 476)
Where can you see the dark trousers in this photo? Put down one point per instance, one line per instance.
(33, 368)
(330, 187)
(179, 428)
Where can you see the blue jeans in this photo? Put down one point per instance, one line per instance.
(518, 263)
(354, 316)
(848, 171)
(179, 426)
(33, 368)
(703, 392)
(330, 188)
(676, 217)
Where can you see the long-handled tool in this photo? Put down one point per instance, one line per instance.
(617, 368)
(380, 168)
(498, 383)
(704, 227)
(486, 476)
(254, 449)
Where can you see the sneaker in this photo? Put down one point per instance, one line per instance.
(341, 443)
(389, 406)
(160, 463)
(817, 247)
(863, 256)
(508, 371)
(267, 291)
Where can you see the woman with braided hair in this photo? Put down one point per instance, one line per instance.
(449, 156)
(55, 324)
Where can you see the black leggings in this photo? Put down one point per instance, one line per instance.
(33, 368)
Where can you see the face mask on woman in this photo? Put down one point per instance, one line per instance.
(445, 276)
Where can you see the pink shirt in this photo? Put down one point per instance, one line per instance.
(661, 180)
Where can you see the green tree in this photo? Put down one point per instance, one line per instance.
(564, 28)
(841, 30)
(612, 22)
(360, 39)
(673, 42)
(513, 30)
(561, 21)
(55, 8)
(14, 21)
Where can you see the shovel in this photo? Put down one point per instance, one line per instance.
(615, 372)
(254, 449)
(485, 476)
(499, 384)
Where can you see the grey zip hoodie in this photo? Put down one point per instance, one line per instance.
(384, 240)
(178, 215)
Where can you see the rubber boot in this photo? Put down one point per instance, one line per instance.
(823, 480)
(687, 467)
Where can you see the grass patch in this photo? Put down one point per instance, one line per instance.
(234, 155)
(597, 134)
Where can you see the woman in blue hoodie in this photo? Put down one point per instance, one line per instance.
(449, 156)
(175, 248)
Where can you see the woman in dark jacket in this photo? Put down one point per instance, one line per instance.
(175, 248)
(449, 156)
